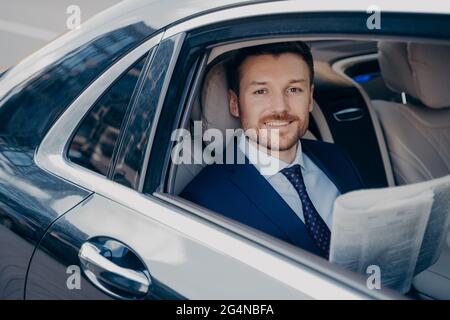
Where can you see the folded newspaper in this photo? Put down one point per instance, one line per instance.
(402, 230)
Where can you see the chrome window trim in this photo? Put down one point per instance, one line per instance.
(176, 51)
(295, 6)
(339, 67)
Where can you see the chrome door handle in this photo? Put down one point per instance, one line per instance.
(349, 114)
(97, 262)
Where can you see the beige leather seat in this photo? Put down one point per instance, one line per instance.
(212, 109)
(418, 133)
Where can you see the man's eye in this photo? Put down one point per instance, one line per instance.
(260, 91)
(295, 90)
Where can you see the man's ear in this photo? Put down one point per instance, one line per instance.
(233, 103)
(311, 99)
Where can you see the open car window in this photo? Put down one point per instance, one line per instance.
(327, 123)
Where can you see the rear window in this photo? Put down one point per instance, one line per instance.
(28, 110)
(94, 141)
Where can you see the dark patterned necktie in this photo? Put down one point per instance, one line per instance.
(317, 228)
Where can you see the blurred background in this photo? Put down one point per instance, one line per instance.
(27, 25)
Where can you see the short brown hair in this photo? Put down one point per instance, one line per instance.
(234, 63)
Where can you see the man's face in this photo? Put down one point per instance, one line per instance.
(275, 93)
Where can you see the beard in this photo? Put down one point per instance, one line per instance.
(275, 140)
(280, 139)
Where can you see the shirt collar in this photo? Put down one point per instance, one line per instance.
(266, 164)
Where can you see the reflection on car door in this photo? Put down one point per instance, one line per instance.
(176, 265)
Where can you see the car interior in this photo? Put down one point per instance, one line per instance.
(386, 102)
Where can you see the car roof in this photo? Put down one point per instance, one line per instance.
(155, 15)
(161, 13)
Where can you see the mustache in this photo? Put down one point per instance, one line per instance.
(284, 116)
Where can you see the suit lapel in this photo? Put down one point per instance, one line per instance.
(323, 162)
(258, 190)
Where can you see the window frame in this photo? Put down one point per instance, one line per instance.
(332, 272)
(145, 59)
(146, 131)
(51, 154)
(200, 39)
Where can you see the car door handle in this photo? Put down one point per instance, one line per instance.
(104, 264)
(349, 114)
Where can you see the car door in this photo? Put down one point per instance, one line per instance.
(32, 96)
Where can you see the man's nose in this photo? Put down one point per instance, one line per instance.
(279, 103)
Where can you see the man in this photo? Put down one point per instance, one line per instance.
(271, 91)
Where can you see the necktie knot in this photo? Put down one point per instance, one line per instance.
(294, 172)
(295, 177)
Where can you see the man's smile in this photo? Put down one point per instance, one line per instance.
(277, 124)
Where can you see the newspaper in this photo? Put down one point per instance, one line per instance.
(402, 230)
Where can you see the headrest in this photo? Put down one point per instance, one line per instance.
(418, 69)
(215, 111)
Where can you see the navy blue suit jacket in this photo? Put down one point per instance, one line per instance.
(240, 192)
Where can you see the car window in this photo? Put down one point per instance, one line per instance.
(30, 108)
(132, 151)
(93, 143)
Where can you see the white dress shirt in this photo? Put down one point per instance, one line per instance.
(321, 190)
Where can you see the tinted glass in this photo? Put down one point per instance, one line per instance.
(93, 144)
(131, 156)
(29, 109)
